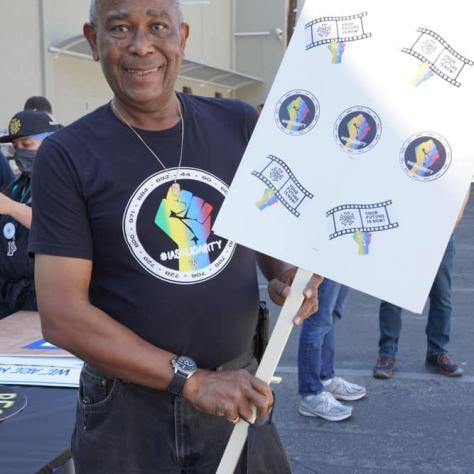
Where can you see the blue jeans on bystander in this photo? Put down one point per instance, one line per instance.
(316, 352)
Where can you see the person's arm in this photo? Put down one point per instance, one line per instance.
(70, 321)
(17, 210)
(280, 275)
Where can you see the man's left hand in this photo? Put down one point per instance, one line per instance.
(279, 289)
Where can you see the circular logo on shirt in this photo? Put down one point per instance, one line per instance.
(9, 230)
(167, 226)
(297, 112)
(425, 156)
(357, 130)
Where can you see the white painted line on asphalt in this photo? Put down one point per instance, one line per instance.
(398, 374)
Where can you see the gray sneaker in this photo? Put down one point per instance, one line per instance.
(343, 390)
(325, 406)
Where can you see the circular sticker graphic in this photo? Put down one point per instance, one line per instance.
(9, 230)
(167, 226)
(357, 130)
(297, 112)
(425, 156)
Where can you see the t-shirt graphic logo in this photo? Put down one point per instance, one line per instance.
(187, 220)
(167, 226)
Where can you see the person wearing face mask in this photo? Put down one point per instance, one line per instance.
(26, 131)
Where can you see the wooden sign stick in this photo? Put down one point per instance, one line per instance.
(271, 357)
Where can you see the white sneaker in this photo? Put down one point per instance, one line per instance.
(325, 406)
(343, 390)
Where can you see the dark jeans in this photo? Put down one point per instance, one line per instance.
(124, 428)
(316, 351)
(438, 327)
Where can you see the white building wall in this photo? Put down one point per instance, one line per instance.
(260, 43)
(21, 59)
(76, 86)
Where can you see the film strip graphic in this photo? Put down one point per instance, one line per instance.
(349, 218)
(278, 177)
(340, 29)
(432, 50)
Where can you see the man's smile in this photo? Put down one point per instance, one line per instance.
(142, 72)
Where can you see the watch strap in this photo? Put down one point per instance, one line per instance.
(177, 384)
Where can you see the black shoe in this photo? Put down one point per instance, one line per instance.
(443, 364)
(384, 367)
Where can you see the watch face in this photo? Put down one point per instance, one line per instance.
(185, 365)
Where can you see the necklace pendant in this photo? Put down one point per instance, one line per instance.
(175, 190)
(12, 248)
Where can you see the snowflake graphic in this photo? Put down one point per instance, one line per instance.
(429, 46)
(324, 30)
(163, 257)
(276, 174)
(347, 219)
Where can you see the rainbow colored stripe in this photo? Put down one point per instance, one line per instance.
(297, 110)
(268, 199)
(427, 154)
(358, 128)
(423, 73)
(336, 48)
(186, 220)
(363, 240)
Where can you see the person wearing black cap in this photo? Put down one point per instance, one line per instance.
(26, 131)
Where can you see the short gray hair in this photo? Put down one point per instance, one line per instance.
(95, 4)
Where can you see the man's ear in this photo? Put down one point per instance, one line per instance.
(91, 36)
(184, 35)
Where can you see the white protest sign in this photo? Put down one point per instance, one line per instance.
(363, 153)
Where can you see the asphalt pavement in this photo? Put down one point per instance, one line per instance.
(417, 422)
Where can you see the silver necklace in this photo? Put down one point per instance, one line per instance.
(122, 118)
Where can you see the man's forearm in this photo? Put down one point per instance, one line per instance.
(96, 338)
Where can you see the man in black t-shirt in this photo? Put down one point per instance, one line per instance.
(130, 276)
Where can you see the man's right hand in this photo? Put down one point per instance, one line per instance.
(230, 394)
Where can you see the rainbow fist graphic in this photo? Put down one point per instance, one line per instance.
(186, 220)
(427, 154)
(358, 128)
(362, 239)
(423, 73)
(268, 199)
(336, 49)
(297, 110)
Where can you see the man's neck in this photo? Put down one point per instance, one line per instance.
(154, 118)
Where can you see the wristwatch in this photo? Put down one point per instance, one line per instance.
(184, 367)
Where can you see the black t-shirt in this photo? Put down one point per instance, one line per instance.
(157, 266)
